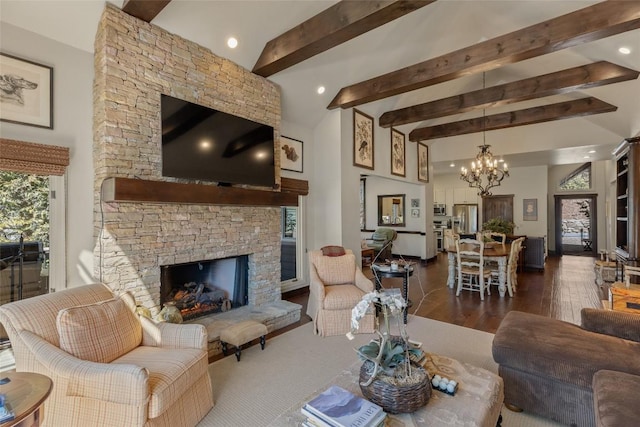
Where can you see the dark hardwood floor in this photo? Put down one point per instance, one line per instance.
(566, 285)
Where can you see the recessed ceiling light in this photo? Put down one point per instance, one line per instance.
(592, 151)
(205, 145)
(501, 161)
(232, 42)
(452, 165)
(320, 90)
(624, 50)
(586, 157)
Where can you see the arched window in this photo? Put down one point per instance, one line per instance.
(579, 179)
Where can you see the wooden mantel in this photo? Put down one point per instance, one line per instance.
(140, 190)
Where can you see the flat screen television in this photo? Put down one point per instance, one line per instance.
(201, 143)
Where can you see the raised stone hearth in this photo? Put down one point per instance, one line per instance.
(275, 315)
(136, 62)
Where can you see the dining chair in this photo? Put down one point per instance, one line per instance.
(631, 271)
(470, 264)
(512, 267)
(449, 237)
(489, 236)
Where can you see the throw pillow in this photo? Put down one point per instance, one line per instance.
(333, 251)
(379, 237)
(337, 270)
(99, 332)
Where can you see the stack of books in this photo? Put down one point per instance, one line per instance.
(337, 407)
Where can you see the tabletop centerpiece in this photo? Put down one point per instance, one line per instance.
(388, 377)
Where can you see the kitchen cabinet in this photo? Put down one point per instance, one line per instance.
(465, 195)
(440, 197)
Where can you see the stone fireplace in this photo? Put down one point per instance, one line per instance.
(136, 62)
(206, 287)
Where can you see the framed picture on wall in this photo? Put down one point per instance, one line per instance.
(362, 140)
(290, 154)
(26, 92)
(397, 153)
(423, 162)
(530, 209)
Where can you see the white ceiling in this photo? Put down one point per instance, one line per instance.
(441, 27)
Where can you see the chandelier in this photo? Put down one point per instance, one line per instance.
(484, 173)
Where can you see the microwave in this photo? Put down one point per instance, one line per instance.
(439, 209)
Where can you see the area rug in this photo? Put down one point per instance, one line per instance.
(298, 364)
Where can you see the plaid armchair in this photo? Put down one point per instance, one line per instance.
(109, 366)
(336, 286)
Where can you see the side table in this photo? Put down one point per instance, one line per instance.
(367, 257)
(404, 272)
(605, 271)
(25, 393)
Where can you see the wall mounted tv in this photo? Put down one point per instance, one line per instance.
(201, 143)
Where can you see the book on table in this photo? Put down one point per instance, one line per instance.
(337, 407)
(313, 421)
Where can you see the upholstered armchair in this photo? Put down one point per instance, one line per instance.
(336, 286)
(109, 366)
(381, 242)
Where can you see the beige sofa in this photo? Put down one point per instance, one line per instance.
(109, 366)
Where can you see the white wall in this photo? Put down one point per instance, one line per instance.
(325, 201)
(523, 183)
(73, 120)
(406, 244)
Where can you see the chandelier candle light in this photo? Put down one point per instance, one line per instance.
(484, 166)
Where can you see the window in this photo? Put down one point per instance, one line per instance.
(579, 179)
(46, 165)
(24, 235)
(288, 249)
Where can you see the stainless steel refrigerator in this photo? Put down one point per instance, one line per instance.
(465, 219)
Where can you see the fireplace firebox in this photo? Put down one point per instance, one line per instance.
(206, 287)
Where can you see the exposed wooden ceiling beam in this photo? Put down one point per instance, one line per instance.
(591, 23)
(529, 116)
(144, 9)
(587, 76)
(341, 22)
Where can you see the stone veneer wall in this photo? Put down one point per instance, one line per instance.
(135, 62)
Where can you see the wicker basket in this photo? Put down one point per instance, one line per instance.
(395, 399)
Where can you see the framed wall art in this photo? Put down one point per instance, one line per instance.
(362, 140)
(26, 92)
(530, 209)
(291, 154)
(397, 153)
(423, 162)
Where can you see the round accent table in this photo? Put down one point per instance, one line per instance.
(25, 393)
(403, 272)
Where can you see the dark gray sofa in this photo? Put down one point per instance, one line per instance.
(548, 366)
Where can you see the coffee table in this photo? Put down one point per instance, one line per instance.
(477, 402)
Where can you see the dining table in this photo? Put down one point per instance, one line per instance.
(498, 252)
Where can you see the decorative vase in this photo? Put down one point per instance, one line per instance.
(170, 313)
(396, 398)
